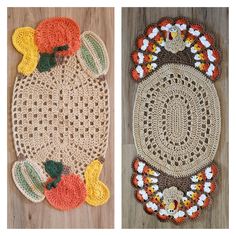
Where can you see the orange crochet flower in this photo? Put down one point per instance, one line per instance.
(57, 32)
(68, 194)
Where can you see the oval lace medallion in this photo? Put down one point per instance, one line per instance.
(176, 120)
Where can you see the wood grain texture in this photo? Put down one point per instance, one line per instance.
(134, 21)
(21, 212)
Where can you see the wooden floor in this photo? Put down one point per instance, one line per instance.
(21, 212)
(134, 21)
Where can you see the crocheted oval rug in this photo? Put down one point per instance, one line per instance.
(60, 114)
(176, 119)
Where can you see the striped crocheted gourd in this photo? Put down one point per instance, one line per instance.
(176, 119)
(92, 54)
(29, 179)
(60, 114)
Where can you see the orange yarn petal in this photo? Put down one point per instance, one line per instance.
(58, 31)
(69, 193)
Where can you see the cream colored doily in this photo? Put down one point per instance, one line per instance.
(61, 115)
(176, 120)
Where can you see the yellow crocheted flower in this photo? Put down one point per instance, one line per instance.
(97, 192)
(24, 42)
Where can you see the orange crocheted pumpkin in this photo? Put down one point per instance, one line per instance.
(57, 32)
(69, 193)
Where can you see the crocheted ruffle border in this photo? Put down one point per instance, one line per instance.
(151, 53)
(146, 181)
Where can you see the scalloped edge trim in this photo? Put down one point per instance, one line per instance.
(189, 23)
(187, 218)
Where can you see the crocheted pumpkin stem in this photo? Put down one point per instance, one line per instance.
(61, 48)
(21, 157)
(54, 183)
(54, 169)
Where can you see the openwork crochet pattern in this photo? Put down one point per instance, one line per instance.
(176, 119)
(60, 114)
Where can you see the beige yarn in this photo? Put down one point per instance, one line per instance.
(176, 120)
(61, 115)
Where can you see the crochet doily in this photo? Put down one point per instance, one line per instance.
(176, 119)
(60, 114)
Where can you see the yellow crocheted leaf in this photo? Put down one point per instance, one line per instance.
(97, 192)
(24, 42)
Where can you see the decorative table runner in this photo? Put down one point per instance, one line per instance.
(60, 114)
(176, 119)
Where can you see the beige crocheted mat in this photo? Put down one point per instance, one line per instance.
(61, 115)
(176, 119)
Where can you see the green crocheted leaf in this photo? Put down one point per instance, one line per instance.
(46, 62)
(61, 48)
(53, 168)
